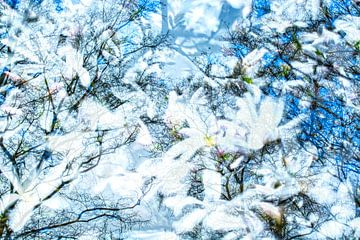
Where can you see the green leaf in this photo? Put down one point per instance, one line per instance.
(226, 156)
(285, 70)
(357, 46)
(296, 42)
(319, 53)
(222, 156)
(247, 79)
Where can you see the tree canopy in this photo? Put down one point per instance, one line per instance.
(179, 119)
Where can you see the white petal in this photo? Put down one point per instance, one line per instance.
(84, 77)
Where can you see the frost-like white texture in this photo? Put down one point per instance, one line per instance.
(236, 3)
(177, 65)
(290, 86)
(33, 191)
(96, 116)
(342, 211)
(261, 123)
(201, 132)
(190, 220)
(285, 14)
(173, 179)
(351, 26)
(244, 5)
(70, 144)
(332, 229)
(152, 235)
(144, 137)
(76, 7)
(56, 203)
(305, 67)
(74, 66)
(197, 162)
(199, 16)
(111, 51)
(252, 61)
(290, 9)
(57, 90)
(151, 110)
(300, 163)
(177, 203)
(122, 183)
(237, 162)
(316, 39)
(174, 114)
(261, 120)
(7, 200)
(221, 221)
(12, 111)
(112, 177)
(22, 213)
(212, 184)
(355, 225)
(203, 14)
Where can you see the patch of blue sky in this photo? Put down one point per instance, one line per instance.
(240, 50)
(323, 92)
(36, 1)
(356, 135)
(337, 7)
(268, 59)
(6, 89)
(261, 7)
(4, 69)
(13, 3)
(58, 5)
(355, 61)
(330, 23)
(328, 127)
(288, 37)
(149, 6)
(292, 106)
(2, 99)
(271, 91)
(129, 44)
(132, 38)
(127, 48)
(101, 61)
(354, 167)
(4, 34)
(356, 77)
(211, 59)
